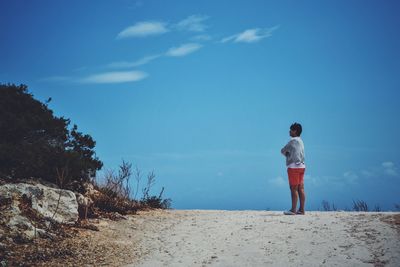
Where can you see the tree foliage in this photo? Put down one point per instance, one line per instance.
(35, 143)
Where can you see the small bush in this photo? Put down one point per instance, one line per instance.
(377, 208)
(117, 185)
(157, 202)
(107, 201)
(326, 206)
(116, 195)
(360, 205)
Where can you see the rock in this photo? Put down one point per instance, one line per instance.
(5, 200)
(90, 191)
(44, 234)
(84, 201)
(20, 200)
(58, 204)
(89, 188)
(21, 222)
(21, 227)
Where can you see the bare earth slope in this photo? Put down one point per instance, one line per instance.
(264, 238)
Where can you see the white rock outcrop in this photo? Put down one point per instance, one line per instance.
(57, 204)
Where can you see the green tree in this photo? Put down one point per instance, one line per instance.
(35, 143)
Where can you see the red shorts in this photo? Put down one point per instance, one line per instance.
(296, 176)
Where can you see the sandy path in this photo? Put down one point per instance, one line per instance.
(264, 238)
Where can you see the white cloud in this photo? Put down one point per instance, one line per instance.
(388, 164)
(135, 4)
(116, 77)
(367, 173)
(391, 172)
(202, 37)
(350, 176)
(325, 180)
(183, 50)
(389, 168)
(310, 179)
(131, 64)
(80, 69)
(55, 79)
(250, 35)
(143, 29)
(278, 181)
(192, 23)
(207, 154)
(385, 168)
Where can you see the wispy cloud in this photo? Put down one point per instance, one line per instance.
(347, 179)
(55, 79)
(183, 50)
(116, 77)
(278, 181)
(250, 35)
(202, 37)
(132, 64)
(192, 23)
(350, 176)
(389, 168)
(310, 179)
(206, 154)
(367, 173)
(179, 51)
(143, 29)
(80, 69)
(387, 164)
(133, 4)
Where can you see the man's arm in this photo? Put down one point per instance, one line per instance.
(285, 149)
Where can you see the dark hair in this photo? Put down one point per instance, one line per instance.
(296, 127)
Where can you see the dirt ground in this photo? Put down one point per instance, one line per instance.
(224, 238)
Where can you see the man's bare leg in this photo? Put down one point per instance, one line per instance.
(302, 197)
(294, 193)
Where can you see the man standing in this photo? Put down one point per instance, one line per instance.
(294, 153)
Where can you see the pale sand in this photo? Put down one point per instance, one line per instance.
(264, 238)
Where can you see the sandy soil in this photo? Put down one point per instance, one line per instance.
(262, 238)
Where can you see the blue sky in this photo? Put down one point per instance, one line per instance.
(203, 92)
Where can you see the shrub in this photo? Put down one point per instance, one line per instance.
(157, 202)
(360, 205)
(106, 201)
(116, 194)
(377, 208)
(154, 201)
(35, 143)
(326, 206)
